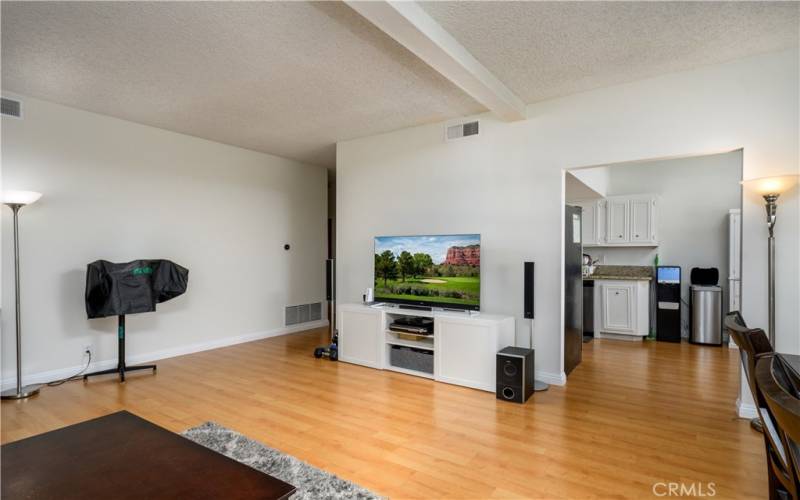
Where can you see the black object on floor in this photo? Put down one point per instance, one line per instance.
(515, 380)
(130, 288)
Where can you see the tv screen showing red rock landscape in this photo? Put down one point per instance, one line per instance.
(429, 270)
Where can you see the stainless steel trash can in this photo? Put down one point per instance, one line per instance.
(706, 323)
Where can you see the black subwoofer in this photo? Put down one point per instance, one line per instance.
(514, 374)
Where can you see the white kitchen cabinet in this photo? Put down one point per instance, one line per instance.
(618, 307)
(593, 222)
(622, 309)
(618, 220)
(642, 216)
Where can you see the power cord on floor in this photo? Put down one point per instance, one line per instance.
(56, 383)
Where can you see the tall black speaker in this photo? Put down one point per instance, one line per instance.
(529, 290)
(330, 280)
(515, 374)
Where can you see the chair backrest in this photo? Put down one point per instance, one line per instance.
(781, 419)
(753, 343)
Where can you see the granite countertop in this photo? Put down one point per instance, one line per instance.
(628, 273)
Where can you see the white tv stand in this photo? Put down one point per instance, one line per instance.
(463, 345)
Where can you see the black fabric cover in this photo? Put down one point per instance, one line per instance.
(134, 287)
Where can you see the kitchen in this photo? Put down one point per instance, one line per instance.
(640, 219)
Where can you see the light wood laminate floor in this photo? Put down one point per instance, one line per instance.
(632, 414)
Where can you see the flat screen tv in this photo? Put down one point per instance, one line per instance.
(435, 270)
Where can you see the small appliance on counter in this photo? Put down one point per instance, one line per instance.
(706, 307)
(668, 303)
(587, 268)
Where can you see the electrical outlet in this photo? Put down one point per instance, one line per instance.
(87, 349)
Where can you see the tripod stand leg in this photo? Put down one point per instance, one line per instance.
(101, 372)
(140, 367)
(121, 366)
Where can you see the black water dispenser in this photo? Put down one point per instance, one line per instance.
(668, 303)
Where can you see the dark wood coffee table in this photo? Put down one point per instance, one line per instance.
(124, 456)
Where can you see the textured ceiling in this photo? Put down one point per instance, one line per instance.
(294, 78)
(542, 50)
(284, 78)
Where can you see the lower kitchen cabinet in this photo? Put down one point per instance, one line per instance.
(622, 309)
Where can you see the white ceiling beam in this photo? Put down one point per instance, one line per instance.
(408, 24)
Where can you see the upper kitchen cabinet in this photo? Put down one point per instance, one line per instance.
(593, 226)
(620, 221)
(642, 220)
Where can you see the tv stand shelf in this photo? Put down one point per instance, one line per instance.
(463, 344)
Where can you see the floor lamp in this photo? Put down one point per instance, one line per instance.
(771, 188)
(16, 200)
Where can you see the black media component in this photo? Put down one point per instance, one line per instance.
(515, 374)
(668, 304)
(411, 324)
(529, 274)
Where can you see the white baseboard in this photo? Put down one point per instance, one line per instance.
(551, 378)
(58, 374)
(745, 410)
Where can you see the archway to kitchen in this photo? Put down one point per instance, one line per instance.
(636, 229)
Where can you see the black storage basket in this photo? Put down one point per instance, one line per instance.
(412, 359)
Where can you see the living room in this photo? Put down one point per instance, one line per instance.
(244, 145)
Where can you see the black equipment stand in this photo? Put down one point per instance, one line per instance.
(121, 368)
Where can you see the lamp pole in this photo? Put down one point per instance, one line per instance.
(27, 391)
(772, 214)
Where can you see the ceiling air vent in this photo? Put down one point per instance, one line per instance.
(459, 130)
(10, 107)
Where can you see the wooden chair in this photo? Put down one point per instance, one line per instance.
(781, 416)
(753, 344)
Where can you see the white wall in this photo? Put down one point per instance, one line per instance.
(120, 191)
(507, 183)
(695, 195)
(597, 179)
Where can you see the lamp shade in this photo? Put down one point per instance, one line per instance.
(771, 185)
(20, 197)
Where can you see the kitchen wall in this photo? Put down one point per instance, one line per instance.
(508, 183)
(694, 196)
(120, 191)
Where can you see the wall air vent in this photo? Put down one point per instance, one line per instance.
(10, 107)
(305, 313)
(459, 130)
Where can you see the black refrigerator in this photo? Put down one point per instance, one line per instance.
(573, 288)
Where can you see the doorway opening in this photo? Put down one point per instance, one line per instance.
(652, 252)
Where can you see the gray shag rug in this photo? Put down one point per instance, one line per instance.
(311, 483)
